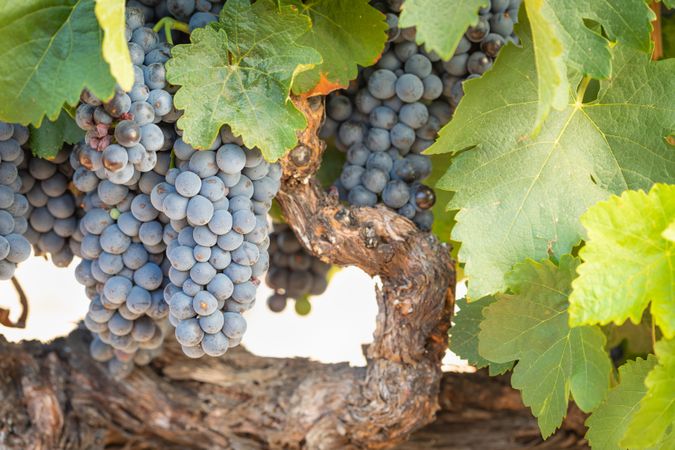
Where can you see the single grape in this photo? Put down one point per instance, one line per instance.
(381, 84)
(396, 194)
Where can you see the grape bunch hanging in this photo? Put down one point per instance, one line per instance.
(394, 110)
(293, 272)
(14, 247)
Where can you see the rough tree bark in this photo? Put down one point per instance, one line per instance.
(54, 396)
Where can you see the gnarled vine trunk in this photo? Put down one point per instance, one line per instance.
(54, 396)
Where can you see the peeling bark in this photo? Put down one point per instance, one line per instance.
(54, 396)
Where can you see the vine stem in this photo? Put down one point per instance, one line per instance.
(23, 299)
(168, 24)
(582, 89)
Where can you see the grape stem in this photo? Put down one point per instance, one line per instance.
(169, 23)
(23, 300)
(582, 89)
(172, 161)
(69, 109)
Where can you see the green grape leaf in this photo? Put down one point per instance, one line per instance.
(111, 18)
(47, 141)
(669, 3)
(464, 335)
(626, 22)
(563, 40)
(521, 196)
(552, 79)
(440, 24)
(330, 169)
(49, 52)
(627, 262)
(531, 325)
(610, 420)
(656, 416)
(443, 221)
(239, 72)
(669, 233)
(347, 33)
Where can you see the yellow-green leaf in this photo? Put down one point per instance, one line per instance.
(627, 261)
(111, 17)
(656, 417)
(610, 420)
(551, 70)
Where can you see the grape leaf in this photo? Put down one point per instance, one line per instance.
(584, 50)
(347, 33)
(330, 169)
(531, 325)
(610, 420)
(47, 141)
(656, 416)
(111, 18)
(669, 233)
(552, 79)
(627, 261)
(521, 196)
(49, 52)
(443, 222)
(440, 23)
(464, 335)
(627, 22)
(239, 72)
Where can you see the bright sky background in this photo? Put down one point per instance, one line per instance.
(341, 321)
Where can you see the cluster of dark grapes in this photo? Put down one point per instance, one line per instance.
(479, 46)
(383, 122)
(394, 110)
(294, 273)
(53, 215)
(123, 268)
(217, 202)
(125, 134)
(14, 247)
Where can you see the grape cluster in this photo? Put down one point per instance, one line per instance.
(125, 134)
(14, 247)
(394, 110)
(294, 273)
(383, 122)
(123, 267)
(217, 202)
(52, 215)
(479, 46)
